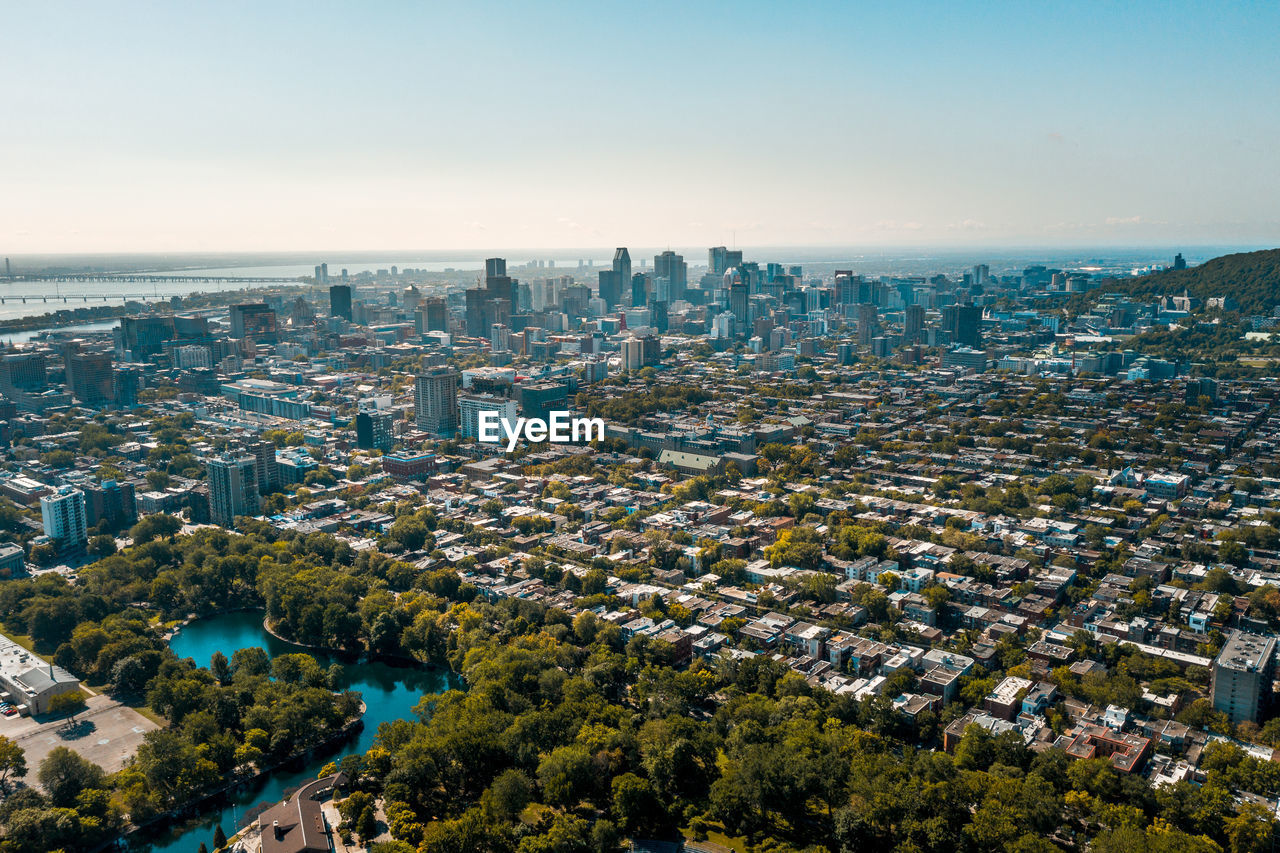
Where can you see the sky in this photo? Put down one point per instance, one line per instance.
(278, 126)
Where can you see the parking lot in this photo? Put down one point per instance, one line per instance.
(106, 733)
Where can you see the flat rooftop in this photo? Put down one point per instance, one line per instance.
(1246, 652)
(20, 667)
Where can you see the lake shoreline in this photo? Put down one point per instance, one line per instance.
(390, 690)
(346, 731)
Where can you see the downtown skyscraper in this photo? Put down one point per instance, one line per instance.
(435, 401)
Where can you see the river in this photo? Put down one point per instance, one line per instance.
(390, 692)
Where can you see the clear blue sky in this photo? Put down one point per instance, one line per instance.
(290, 126)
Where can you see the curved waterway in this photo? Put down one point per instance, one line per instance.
(390, 692)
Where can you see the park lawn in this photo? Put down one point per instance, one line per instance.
(24, 641)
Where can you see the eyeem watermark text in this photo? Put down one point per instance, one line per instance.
(560, 428)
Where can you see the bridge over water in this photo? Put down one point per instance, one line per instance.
(13, 292)
(152, 278)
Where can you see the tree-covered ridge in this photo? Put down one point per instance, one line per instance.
(1252, 279)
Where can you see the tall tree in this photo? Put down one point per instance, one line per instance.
(64, 775)
(12, 760)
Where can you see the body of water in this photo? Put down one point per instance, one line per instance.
(21, 337)
(389, 691)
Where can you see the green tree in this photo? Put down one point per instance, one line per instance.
(102, 546)
(1251, 830)
(13, 761)
(64, 775)
(636, 805)
(366, 827)
(155, 526)
(70, 703)
(510, 792)
(565, 774)
(40, 830)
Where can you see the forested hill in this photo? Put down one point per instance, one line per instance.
(1251, 278)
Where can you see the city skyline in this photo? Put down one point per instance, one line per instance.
(294, 128)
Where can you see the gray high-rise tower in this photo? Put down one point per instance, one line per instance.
(622, 266)
(435, 402)
(672, 267)
(340, 301)
(1242, 677)
(233, 488)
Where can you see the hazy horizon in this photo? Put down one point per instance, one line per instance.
(692, 254)
(245, 128)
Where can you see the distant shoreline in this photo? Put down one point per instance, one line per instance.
(58, 320)
(53, 320)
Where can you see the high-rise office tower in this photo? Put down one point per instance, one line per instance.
(948, 322)
(23, 371)
(67, 349)
(716, 262)
(1242, 677)
(301, 313)
(411, 299)
(641, 289)
(658, 315)
(499, 338)
(498, 283)
(437, 314)
(472, 406)
(622, 266)
(253, 320)
(474, 312)
(340, 301)
(720, 259)
(672, 267)
(497, 312)
(125, 386)
(632, 353)
(111, 502)
(436, 402)
(574, 299)
(851, 289)
(739, 305)
(64, 519)
(89, 377)
(233, 488)
(374, 430)
(913, 324)
(266, 468)
(968, 325)
(142, 337)
(868, 323)
(652, 350)
(610, 289)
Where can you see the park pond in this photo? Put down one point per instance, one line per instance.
(390, 692)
